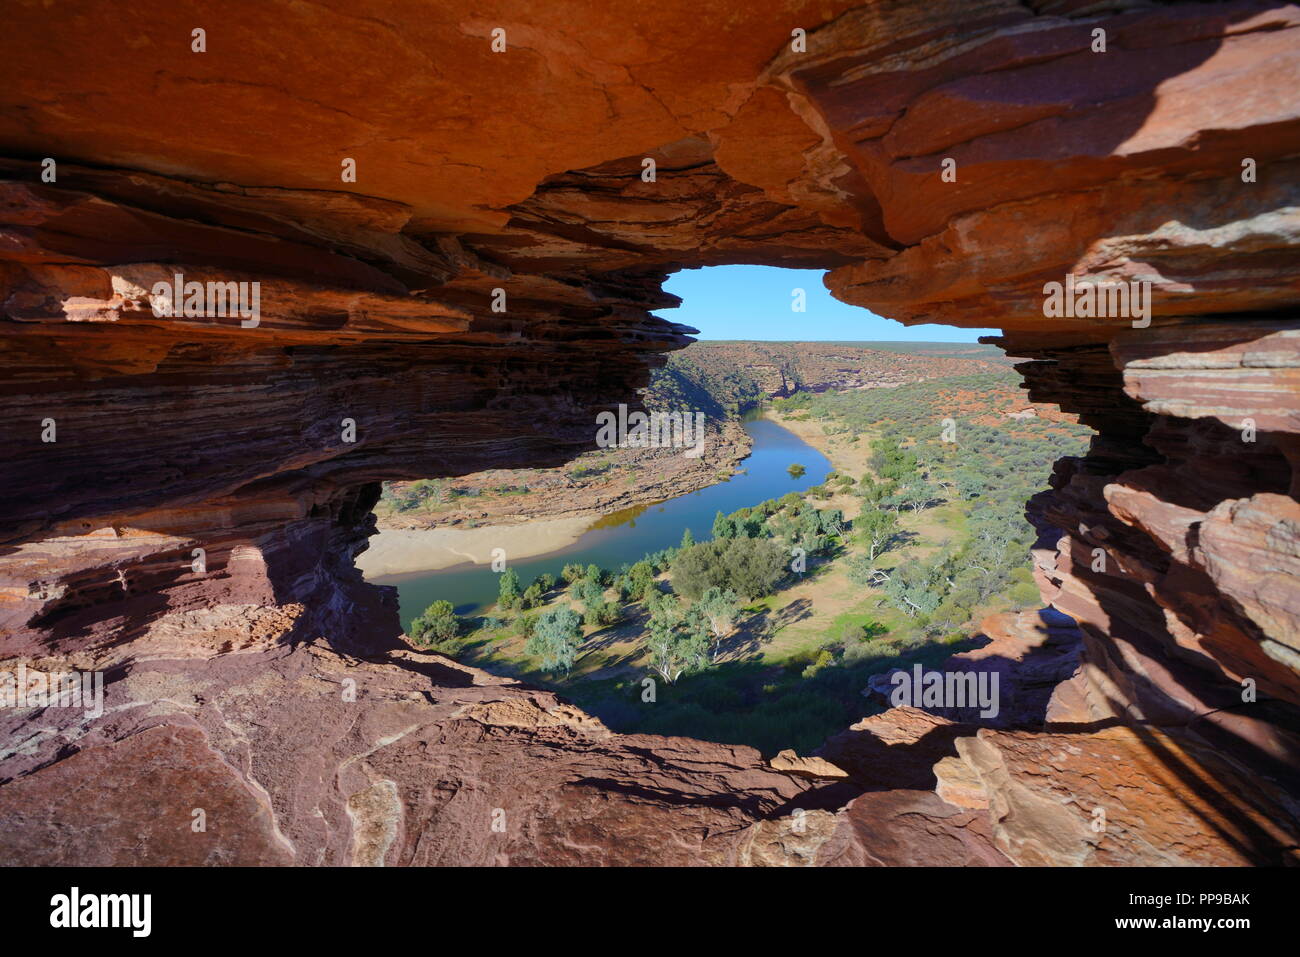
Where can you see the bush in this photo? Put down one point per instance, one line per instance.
(532, 596)
(754, 566)
(824, 660)
(508, 589)
(556, 638)
(524, 626)
(438, 628)
(602, 614)
(1026, 595)
(641, 581)
(748, 566)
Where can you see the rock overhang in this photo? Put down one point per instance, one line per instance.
(522, 171)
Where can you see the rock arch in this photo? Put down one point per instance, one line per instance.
(521, 171)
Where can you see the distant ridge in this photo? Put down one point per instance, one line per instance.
(728, 376)
(971, 350)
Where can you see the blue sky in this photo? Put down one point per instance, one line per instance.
(753, 302)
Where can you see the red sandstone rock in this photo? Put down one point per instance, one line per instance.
(415, 770)
(1172, 543)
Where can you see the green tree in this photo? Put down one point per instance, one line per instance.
(748, 566)
(753, 566)
(641, 581)
(556, 638)
(917, 588)
(699, 567)
(874, 492)
(723, 526)
(918, 494)
(508, 590)
(717, 608)
(588, 592)
(524, 625)
(797, 471)
(824, 660)
(748, 524)
(970, 484)
(890, 461)
(832, 521)
(437, 628)
(602, 614)
(674, 648)
(687, 538)
(877, 531)
(862, 571)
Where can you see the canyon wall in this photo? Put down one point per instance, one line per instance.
(185, 494)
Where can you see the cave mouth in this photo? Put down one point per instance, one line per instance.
(185, 499)
(940, 414)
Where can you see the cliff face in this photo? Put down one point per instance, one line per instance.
(257, 678)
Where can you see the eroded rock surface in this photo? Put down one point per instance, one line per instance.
(192, 529)
(305, 756)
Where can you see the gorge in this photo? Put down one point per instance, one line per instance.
(190, 525)
(624, 537)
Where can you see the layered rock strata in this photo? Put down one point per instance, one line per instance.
(184, 496)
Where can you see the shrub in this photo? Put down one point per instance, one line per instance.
(748, 566)
(641, 581)
(675, 648)
(508, 589)
(602, 614)
(438, 628)
(824, 660)
(556, 638)
(524, 625)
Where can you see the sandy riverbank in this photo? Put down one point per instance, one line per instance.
(520, 524)
(620, 479)
(404, 551)
(408, 551)
(849, 458)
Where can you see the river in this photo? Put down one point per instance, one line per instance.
(627, 536)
